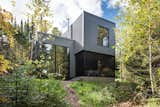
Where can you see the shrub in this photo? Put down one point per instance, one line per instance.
(98, 94)
(4, 65)
(25, 90)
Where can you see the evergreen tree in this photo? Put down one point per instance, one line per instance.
(21, 27)
(56, 32)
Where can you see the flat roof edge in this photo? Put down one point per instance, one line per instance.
(85, 12)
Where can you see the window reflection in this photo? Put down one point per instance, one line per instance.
(56, 60)
(103, 36)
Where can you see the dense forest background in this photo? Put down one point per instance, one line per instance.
(25, 62)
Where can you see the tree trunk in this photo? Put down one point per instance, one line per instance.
(150, 65)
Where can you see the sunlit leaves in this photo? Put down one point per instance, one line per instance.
(40, 15)
(13, 2)
(140, 17)
(5, 25)
(4, 65)
(139, 21)
(6, 32)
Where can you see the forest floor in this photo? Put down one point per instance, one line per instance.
(71, 97)
(88, 94)
(73, 100)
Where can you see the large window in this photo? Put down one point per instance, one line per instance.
(103, 36)
(56, 60)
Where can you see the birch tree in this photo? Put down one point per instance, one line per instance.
(141, 37)
(40, 15)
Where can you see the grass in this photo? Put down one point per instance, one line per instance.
(50, 86)
(96, 94)
(153, 102)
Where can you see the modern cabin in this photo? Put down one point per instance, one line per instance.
(90, 41)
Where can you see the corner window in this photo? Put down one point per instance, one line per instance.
(103, 36)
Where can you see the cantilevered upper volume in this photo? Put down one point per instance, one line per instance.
(90, 34)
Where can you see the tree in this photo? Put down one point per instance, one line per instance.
(22, 33)
(39, 15)
(6, 27)
(140, 30)
(6, 38)
(56, 32)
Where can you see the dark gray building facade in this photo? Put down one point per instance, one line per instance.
(91, 46)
